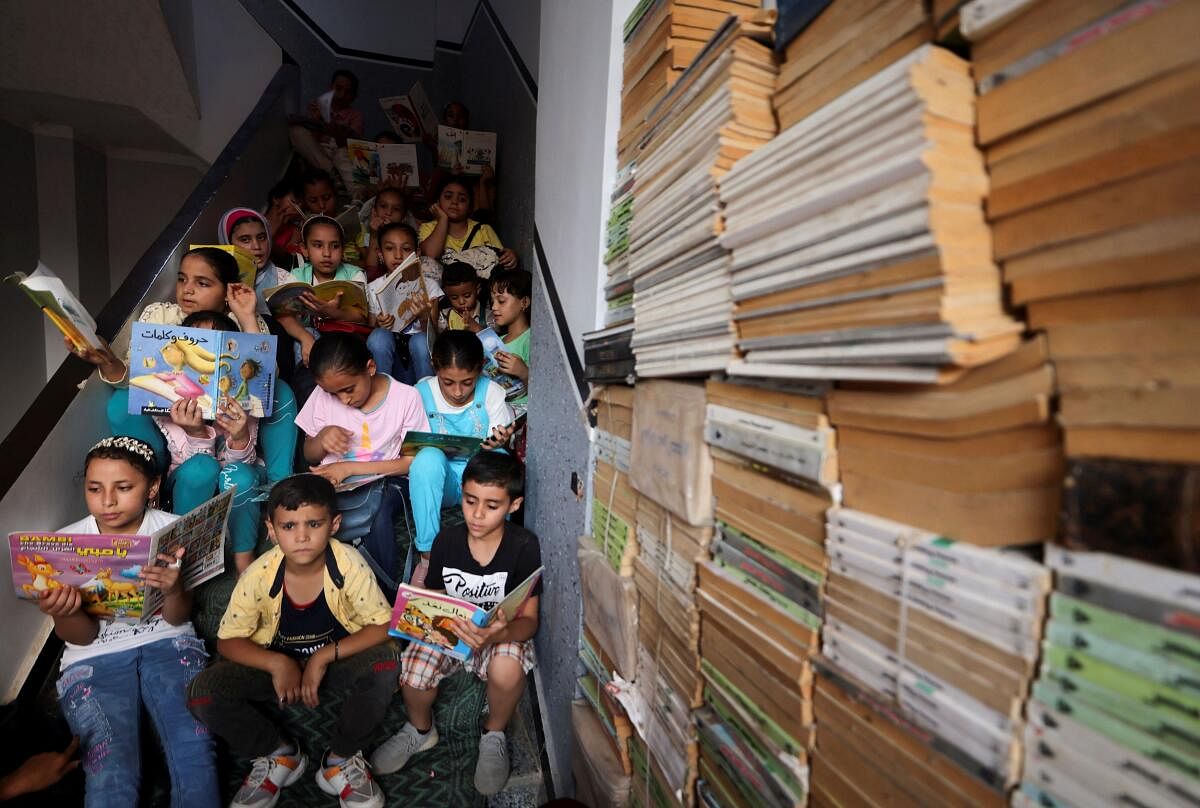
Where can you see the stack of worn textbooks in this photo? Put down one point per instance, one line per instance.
(672, 471)
(608, 355)
(662, 37)
(618, 289)
(759, 597)
(614, 501)
(1088, 116)
(1115, 714)
(943, 631)
(978, 459)
(718, 112)
(860, 250)
(847, 43)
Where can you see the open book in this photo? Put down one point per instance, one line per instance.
(491, 344)
(404, 292)
(411, 116)
(168, 363)
(285, 299)
(51, 295)
(428, 617)
(105, 568)
(453, 446)
(374, 163)
(462, 151)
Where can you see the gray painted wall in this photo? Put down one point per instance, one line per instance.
(21, 358)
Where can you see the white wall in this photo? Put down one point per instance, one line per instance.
(520, 19)
(401, 28)
(579, 90)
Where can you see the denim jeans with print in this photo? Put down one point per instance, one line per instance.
(101, 698)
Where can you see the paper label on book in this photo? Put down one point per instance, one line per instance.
(793, 449)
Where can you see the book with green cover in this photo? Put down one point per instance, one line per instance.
(1112, 678)
(1175, 646)
(1149, 665)
(790, 580)
(453, 446)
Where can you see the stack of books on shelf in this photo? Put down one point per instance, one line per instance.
(600, 777)
(860, 249)
(662, 37)
(618, 289)
(1088, 116)
(945, 632)
(760, 595)
(672, 470)
(614, 500)
(848, 42)
(718, 112)
(978, 459)
(608, 355)
(1115, 714)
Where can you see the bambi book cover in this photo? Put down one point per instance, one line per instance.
(169, 363)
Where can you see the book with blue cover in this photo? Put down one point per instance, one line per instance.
(168, 363)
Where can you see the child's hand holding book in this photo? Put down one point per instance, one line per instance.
(165, 576)
(111, 367)
(61, 601)
(477, 637)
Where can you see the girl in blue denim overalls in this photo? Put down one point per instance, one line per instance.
(457, 402)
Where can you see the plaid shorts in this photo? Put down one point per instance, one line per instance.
(423, 668)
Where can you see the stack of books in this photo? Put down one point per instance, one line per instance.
(672, 471)
(845, 44)
(608, 355)
(600, 778)
(945, 632)
(1115, 714)
(1088, 114)
(978, 459)
(718, 112)
(860, 249)
(618, 289)
(662, 37)
(760, 595)
(614, 500)
(594, 684)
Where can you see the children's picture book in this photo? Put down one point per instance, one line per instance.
(404, 292)
(247, 269)
(428, 617)
(375, 163)
(168, 363)
(285, 299)
(51, 295)
(454, 446)
(105, 568)
(491, 344)
(356, 481)
(411, 116)
(462, 151)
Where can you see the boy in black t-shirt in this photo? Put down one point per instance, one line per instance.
(480, 562)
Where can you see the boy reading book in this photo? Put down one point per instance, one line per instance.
(306, 619)
(479, 562)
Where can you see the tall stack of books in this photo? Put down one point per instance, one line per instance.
(614, 501)
(846, 44)
(1114, 715)
(1088, 115)
(760, 596)
(662, 37)
(944, 632)
(672, 472)
(718, 112)
(860, 249)
(978, 459)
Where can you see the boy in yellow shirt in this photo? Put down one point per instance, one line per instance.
(305, 620)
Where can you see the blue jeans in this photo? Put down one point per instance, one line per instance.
(382, 345)
(201, 477)
(277, 434)
(433, 483)
(369, 522)
(101, 699)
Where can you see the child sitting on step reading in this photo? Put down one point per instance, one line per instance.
(481, 562)
(111, 669)
(307, 619)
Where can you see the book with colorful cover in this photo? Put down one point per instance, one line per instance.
(463, 151)
(168, 363)
(51, 295)
(404, 292)
(428, 617)
(105, 568)
(247, 269)
(373, 163)
(492, 343)
(454, 446)
(411, 116)
(285, 298)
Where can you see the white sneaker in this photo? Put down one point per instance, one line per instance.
(491, 770)
(268, 775)
(351, 782)
(394, 753)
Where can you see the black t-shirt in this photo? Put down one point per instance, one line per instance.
(305, 628)
(451, 566)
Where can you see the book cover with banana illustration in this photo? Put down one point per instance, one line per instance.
(169, 363)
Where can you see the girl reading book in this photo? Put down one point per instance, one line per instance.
(457, 401)
(395, 243)
(207, 281)
(111, 670)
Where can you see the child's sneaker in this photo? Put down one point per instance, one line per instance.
(394, 753)
(351, 782)
(491, 770)
(267, 776)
